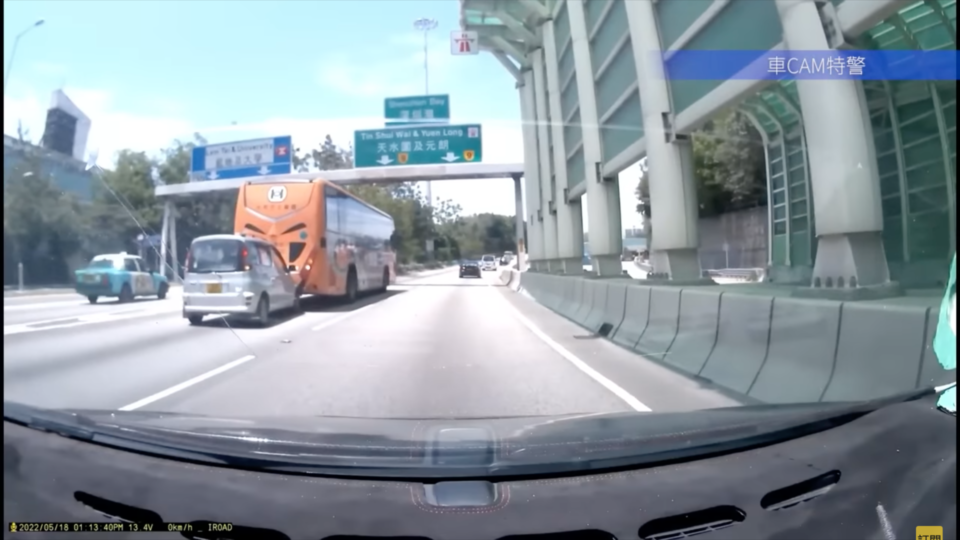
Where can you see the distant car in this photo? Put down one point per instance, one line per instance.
(469, 268)
(119, 276)
(231, 274)
(488, 262)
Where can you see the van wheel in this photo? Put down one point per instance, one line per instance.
(351, 286)
(93, 298)
(263, 311)
(126, 295)
(195, 320)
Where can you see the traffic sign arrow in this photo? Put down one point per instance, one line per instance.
(384, 160)
(264, 170)
(450, 157)
(213, 175)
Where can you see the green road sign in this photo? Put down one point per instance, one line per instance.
(422, 145)
(417, 109)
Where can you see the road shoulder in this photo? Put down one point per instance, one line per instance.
(655, 385)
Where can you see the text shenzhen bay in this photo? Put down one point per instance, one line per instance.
(425, 145)
(408, 111)
(243, 159)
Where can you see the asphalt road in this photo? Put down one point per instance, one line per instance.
(431, 346)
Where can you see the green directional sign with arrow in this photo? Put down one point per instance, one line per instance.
(424, 145)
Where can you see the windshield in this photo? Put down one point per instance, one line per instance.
(397, 211)
(106, 263)
(215, 256)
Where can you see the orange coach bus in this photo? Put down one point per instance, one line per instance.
(334, 243)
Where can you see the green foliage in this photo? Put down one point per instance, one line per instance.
(44, 228)
(729, 168)
(41, 224)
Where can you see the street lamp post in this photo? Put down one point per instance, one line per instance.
(13, 52)
(425, 25)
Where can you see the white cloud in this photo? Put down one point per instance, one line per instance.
(111, 129)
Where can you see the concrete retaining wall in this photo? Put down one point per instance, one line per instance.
(775, 350)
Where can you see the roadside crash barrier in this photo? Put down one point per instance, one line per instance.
(772, 349)
(510, 278)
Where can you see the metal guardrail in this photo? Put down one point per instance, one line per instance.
(743, 274)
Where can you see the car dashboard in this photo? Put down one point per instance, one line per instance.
(883, 473)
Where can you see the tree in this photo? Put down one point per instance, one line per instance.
(46, 228)
(729, 168)
(643, 196)
(124, 205)
(41, 222)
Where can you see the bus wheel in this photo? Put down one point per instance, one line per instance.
(298, 299)
(93, 298)
(386, 280)
(351, 286)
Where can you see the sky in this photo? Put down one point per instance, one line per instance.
(151, 72)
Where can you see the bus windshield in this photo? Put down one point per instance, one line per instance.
(330, 238)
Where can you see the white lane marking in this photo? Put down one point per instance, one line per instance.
(226, 367)
(71, 322)
(65, 303)
(42, 305)
(187, 384)
(613, 387)
(335, 320)
(885, 523)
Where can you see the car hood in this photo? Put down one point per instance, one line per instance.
(425, 447)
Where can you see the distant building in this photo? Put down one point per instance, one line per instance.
(69, 174)
(61, 151)
(634, 240)
(67, 128)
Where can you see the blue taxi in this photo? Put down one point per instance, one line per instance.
(120, 276)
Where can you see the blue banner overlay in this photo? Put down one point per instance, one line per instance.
(816, 65)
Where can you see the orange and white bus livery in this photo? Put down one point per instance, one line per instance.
(334, 243)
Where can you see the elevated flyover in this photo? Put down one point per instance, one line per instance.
(860, 184)
(590, 96)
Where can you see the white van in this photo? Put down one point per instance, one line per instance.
(488, 262)
(236, 275)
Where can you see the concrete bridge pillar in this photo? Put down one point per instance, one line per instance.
(843, 166)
